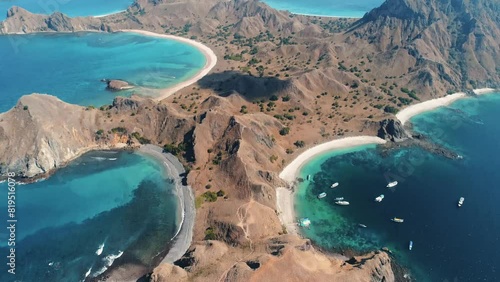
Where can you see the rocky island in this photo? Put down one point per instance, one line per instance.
(282, 84)
(117, 85)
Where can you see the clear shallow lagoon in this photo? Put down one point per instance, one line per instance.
(71, 66)
(457, 244)
(338, 8)
(72, 8)
(120, 199)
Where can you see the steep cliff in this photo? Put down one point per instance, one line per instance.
(33, 140)
(41, 133)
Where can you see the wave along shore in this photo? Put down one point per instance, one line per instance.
(285, 196)
(207, 52)
(407, 113)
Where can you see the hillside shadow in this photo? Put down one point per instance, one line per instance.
(249, 87)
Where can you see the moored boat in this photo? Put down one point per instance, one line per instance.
(461, 201)
(339, 199)
(308, 177)
(411, 245)
(334, 185)
(392, 184)
(379, 198)
(322, 195)
(398, 220)
(342, 203)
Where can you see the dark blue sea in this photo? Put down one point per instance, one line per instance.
(450, 243)
(120, 203)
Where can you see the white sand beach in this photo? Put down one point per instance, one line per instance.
(290, 171)
(211, 60)
(407, 113)
(285, 196)
(482, 91)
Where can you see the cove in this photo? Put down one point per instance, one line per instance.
(450, 243)
(71, 66)
(121, 203)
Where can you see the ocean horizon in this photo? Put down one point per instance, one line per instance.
(72, 8)
(449, 243)
(104, 208)
(326, 8)
(73, 71)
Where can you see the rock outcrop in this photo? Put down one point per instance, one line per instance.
(393, 130)
(41, 133)
(118, 85)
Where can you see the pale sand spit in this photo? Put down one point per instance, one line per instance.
(407, 113)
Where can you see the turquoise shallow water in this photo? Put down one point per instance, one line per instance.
(347, 9)
(71, 66)
(72, 8)
(450, 243)
(120, 199)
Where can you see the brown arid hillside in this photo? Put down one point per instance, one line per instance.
(282, 83)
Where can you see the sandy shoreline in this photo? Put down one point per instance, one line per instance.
(407, 113)
(285, 196)
(184, 235)
(211, 60)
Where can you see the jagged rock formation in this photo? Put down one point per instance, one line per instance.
(393, 130)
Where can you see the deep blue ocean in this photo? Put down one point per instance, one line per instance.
(71, 66)
(121, 200)
(450, 243)
(338, 8)
(72, 8)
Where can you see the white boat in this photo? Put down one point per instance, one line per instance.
(334, 185)
(308, 177)
(342, 203)
(392, 184)
(379, 198)
(411, 245)
(362, 225)
(339, 199)
(461, 201)
(398, 220)
(322, 195)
